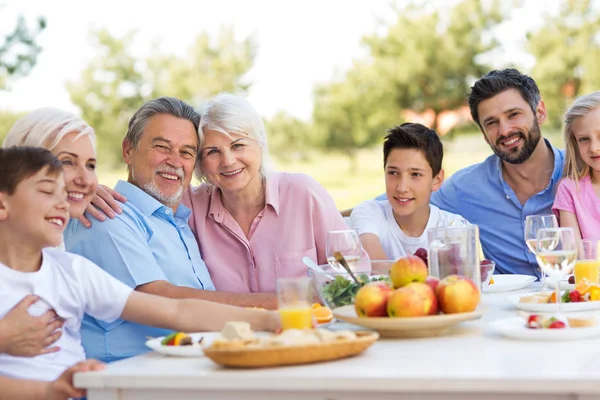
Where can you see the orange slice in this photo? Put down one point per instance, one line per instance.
(491, 281)
(583, 286)
(322, 314)
(316, 305)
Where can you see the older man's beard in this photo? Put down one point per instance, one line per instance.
(153, 189)
(530, 142)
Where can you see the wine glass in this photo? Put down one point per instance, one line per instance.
(532, 224)
(556, 253)
(346, 242)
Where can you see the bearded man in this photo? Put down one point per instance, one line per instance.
(517, 181)
(150, 246)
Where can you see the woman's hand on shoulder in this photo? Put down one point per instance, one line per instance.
(105, 203)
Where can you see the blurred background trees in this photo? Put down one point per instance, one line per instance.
(567, 53)
(116, 82)
(418, 66)
(19, 51)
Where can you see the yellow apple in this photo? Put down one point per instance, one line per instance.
(371, 299)
(407, 270)
(457, 294)
(413, 300)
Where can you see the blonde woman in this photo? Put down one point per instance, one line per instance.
(73, 142)
(577, 202)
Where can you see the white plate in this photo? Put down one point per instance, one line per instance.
(194, 350)
(508, 282)
(564, 283)
(515, 327)
(551, 307)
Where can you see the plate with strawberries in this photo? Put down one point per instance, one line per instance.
(539, 327)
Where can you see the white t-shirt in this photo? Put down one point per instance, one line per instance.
(72, 286)
(376, 217)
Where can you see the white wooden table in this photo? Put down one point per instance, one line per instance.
(470, 363)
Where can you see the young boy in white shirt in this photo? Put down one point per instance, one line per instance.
(397, 226)
(33, 214)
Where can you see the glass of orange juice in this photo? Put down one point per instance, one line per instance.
(293, 298)
(588, 261)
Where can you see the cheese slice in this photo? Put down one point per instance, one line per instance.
(237, 330)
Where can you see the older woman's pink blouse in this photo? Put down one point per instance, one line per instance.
(294, 223)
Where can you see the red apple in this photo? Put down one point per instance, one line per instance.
(457, 294)
(413, 300)
(433, 282)
(371, 299)
(407, 270)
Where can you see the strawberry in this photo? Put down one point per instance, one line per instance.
(575, 296)
(533, 322)
(557, 325)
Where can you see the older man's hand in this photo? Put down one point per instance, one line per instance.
(26, 336)
(105, 203)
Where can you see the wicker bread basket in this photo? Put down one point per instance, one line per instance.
(292, 355)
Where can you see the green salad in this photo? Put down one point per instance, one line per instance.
(341, 291)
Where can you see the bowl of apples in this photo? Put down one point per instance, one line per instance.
(399, 299)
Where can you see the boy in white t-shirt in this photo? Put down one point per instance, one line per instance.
(396, 227)
(33, 213)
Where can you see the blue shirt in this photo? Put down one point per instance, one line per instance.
(481, 195)
(146, 243)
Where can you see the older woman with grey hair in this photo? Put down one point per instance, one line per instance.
(253, 225)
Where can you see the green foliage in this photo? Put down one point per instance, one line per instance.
(353, 113)
(7, 120)
(19, 51)
(426, 60)
(289, 137)
(116, 82)
(429, 58)
(567, 51)
(214, 65)
(109, 91)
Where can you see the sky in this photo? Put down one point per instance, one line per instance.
(300, 43)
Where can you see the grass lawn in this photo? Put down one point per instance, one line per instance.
(332, 170)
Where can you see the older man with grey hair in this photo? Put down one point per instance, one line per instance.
(149, 246)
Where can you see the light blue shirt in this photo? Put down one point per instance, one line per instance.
(146, 243)
(481, 195)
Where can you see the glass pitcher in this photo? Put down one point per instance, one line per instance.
(454, 250)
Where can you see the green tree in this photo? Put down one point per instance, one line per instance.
(425, 60)
(353, 113)
(430, 58)
(7, 120)
(109, 91)
(116, 82)
(19, 51)
(214, 65)
(567, 51)
(289, 137)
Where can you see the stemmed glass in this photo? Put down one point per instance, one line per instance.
(346, 242)
(533, 223)
(556, 253)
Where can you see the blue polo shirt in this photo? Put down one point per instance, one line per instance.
(481, 195)
(147, 242)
